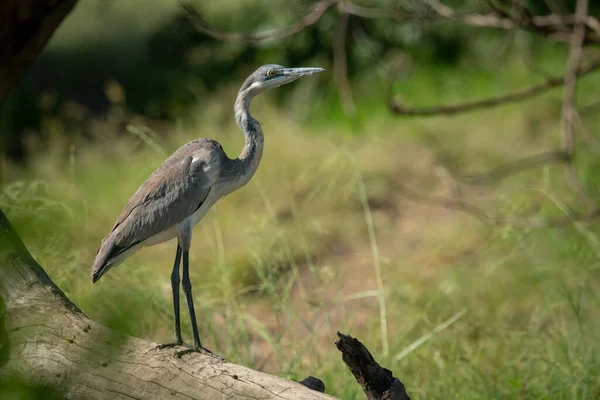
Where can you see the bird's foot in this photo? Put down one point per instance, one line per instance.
(199, 349)
(174, 344)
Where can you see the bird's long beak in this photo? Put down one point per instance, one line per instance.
(298, 72)
(287, 75)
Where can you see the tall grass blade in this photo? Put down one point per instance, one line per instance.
(417, 343)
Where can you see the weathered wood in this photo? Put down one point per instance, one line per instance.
(377, 382)
(25, 28)
(48, 341)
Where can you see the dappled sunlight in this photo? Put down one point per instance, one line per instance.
(372, 224)
(281, 265)
(284, 263)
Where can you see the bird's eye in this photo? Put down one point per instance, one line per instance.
(271, 73)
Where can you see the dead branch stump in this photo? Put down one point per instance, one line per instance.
(377, 382)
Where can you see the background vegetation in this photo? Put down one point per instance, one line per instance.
(333, 233)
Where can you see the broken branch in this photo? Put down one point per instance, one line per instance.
(377, 382)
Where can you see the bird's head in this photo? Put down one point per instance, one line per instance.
(271, 76)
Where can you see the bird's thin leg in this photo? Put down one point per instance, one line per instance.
(187, 289)
(175, 289)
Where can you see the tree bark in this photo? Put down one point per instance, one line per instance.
(377, 382)
(46, 340)
(25, 28)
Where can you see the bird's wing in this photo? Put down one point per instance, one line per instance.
(174, 191)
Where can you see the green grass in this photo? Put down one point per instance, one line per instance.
(323, 240)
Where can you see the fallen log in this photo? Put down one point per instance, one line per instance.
(46, 340)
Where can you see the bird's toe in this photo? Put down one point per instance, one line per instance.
(201, 350)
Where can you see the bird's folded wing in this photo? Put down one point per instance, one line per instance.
(177, 188)
(171, 194)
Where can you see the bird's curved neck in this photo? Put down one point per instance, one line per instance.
(251, 154)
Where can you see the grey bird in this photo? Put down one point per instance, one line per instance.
(184, 187)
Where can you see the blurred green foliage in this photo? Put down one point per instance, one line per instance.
(18, 389)
(165, 66)
(4, 345)
(275, 263)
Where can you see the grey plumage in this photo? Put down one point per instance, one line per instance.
(184, 187)
(173, 192)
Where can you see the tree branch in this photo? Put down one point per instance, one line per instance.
(351, 8)
(25, 28)
(490, 21)
(509, 169)
(568, 108)
(310, 19)
(484, 217)
(550, 24)
(519, 17)
(467, 106)
(340, 66)
(377, 382)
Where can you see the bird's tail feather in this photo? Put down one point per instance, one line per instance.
(103, 262)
